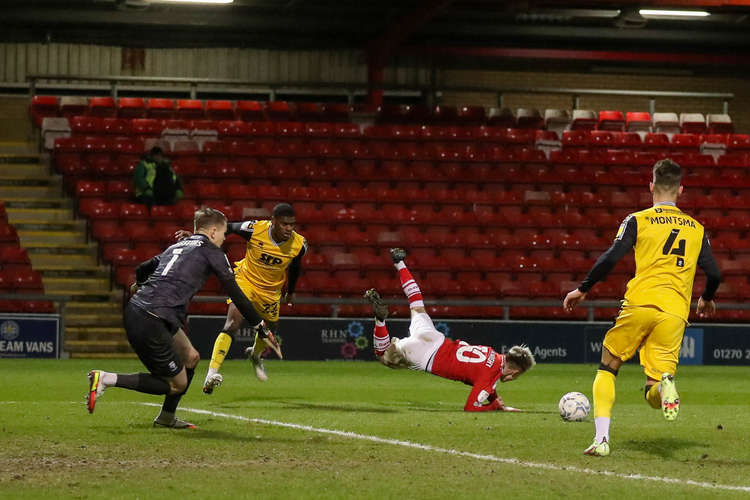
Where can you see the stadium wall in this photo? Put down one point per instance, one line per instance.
(17, 60)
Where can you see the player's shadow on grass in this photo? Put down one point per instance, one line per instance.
(662, 447)
(339, 407)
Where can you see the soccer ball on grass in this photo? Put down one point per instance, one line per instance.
(574, 407)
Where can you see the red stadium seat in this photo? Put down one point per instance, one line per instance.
(279, 111)
(90, 189)
(86, 125)
(638, 121)
(12, 254)
(160, 108)
(250, 111)
(43, 106)
(219, 110)
(337, 112)
(686, 142)
(103, 107)
(472, 115)
(146, 127)
(131, 107)
(26, 280)
(116, 126)
(611, 120)
(189, 109)
(309, 112)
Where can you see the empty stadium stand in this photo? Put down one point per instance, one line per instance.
(491, 204)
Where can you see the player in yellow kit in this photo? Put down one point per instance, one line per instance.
(274, 256)
(669, 245)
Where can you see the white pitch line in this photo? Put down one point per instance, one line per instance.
(488, 458)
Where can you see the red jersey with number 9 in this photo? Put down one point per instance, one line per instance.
(470, 364)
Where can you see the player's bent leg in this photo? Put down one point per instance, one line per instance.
(604, 399)
(178, 385)
(659, 357)
(256, 350)
(408, 283)
(190, 358)
(221, 348)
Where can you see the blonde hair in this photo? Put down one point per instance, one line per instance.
(206, 217)
(521, 357)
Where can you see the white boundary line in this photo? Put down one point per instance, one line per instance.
(487, 458)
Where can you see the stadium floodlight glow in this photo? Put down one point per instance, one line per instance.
(673, 13)
(193, 1)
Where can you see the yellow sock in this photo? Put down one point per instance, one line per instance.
(654, 396)
(259, 346)
(604, 393)
(221, 348)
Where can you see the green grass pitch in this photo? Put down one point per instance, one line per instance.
(51, 447)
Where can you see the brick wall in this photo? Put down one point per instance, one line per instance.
(739, 107)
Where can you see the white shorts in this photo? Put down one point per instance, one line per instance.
(420, 346)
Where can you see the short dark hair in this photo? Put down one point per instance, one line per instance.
(283, 210)
(667, 175)
(207, 217)
(156, 150)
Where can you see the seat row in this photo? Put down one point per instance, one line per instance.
(238, 150)
(145, 127)
(560, 119)
(192, 109)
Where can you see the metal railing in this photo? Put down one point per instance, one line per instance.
(191, 87)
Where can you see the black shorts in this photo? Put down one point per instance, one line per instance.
(151, 339)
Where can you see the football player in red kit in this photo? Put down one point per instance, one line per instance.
(427, 349)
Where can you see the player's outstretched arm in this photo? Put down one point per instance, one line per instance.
(707, 262)
(624, 241)
(573, 298)
(293, 273)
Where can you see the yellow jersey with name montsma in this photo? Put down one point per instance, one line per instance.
(266, 261)
(667, 247)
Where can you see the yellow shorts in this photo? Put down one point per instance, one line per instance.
(658, 334)
(267, 304)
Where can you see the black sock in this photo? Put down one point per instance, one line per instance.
(172, 400)
(142, 382)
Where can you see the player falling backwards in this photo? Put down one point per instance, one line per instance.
(154, 316)
(427, 349)
(273, 247)
(668, 244)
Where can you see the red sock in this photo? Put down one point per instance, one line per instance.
(381, 340)
(409, 285)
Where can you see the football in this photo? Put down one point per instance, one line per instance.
(574, 407)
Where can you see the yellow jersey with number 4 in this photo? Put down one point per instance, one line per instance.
(266, 261)
(667, 247)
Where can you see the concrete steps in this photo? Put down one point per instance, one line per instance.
(95, 333)
(58, 247)
(93, 320)
(37, 186)
(27, 202)
(73, 254)
(20, 215)
(88, 347)
(25, 169)
(63, 285)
